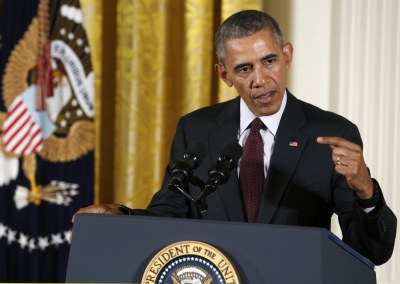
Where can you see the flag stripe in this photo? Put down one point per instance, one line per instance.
(38, 146)
(35, 139)
(25, 140)
(22, 134)
(13, 111)
(19, 136)
(14, 118)
(14, 131)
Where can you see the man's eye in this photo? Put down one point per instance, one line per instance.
(244, 69)
(270, 61)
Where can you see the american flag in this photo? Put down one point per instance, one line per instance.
(293, 144)
(21, 134)
(46, 135)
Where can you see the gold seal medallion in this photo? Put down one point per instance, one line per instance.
(190, 262)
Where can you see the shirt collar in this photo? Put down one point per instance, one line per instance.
(270, 121)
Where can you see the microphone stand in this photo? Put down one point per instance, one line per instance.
(201, 205)
(219, 173)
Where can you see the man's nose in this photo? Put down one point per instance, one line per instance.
(260, 77)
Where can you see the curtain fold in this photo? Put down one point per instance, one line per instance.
(93, 18)
(140, 97)
(198, 54)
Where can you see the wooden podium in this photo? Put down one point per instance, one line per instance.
(115, 248)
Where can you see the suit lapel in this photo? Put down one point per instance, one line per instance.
(225, 133)
(284, 159)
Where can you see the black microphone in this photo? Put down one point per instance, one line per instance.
(182, 171)
(220, 172)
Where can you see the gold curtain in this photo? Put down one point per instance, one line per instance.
(154, 62)
(93, 18)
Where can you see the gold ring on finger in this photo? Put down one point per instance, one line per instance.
(338, 162)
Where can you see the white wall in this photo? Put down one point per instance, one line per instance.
(347, 60)
(310, 36)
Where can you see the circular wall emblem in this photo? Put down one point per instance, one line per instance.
(190, 262)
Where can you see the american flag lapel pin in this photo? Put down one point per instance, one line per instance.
(293, 144)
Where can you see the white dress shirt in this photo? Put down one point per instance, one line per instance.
(268, 134)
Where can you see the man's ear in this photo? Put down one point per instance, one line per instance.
(223, 74)
(288, 53)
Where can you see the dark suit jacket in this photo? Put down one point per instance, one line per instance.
(301, 188)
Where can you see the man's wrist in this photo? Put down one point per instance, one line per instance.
(367, 193)
(124, 209)
(373, 200)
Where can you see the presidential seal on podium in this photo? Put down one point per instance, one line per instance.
(190, 262)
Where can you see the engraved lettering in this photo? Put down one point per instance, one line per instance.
(179, 250)
(224, 268)
(166, 256)
(154, 271)
(197, 249)
(208, 253)
(150, 278)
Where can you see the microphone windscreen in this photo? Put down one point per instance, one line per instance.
(197, 149)
(233, 150)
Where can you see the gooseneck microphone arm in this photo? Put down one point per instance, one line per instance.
(182, 172)
(220, 172)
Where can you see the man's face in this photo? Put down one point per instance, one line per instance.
(256, 66)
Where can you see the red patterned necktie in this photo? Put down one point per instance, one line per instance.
(251, 176)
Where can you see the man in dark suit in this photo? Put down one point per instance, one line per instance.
(311, 162)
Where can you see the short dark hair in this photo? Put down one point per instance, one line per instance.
(243, 24)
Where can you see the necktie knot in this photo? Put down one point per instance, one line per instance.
(256, 125)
